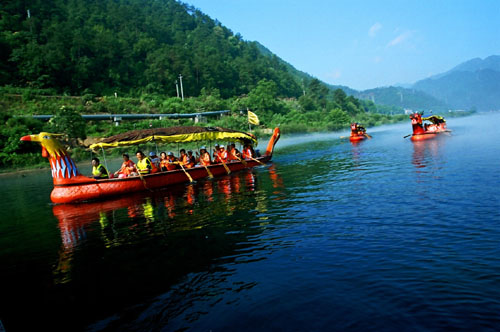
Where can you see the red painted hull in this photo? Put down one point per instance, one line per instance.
(88, 189)
(357, 138)
(426, 135)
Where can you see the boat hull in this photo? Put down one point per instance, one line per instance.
(426, 135)
(357, 138)
(89, 189)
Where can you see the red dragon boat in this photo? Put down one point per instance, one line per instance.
(424, 131)
(358, 133)
(71, 186)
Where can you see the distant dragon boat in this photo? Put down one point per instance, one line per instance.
(358, 133)
(424, 131)
(70, 186)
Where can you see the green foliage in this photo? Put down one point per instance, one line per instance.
(15, 153)
(132, 47)
(68, 121)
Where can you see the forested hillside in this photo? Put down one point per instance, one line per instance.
(131, 47)
(474, 84)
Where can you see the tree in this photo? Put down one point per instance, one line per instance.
(68, 121)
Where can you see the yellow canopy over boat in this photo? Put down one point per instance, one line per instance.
(434, 119)
(174, 135)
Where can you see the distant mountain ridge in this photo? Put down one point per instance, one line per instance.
(474, 84)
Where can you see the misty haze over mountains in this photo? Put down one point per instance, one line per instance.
(474, 84)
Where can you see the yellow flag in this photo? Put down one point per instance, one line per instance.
(253, 118)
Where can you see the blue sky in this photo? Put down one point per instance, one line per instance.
(365, 44)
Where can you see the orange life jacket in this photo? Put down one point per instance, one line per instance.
(126, 165)
(222, 156)
(205, 159)
(247, 153)
(232, 155)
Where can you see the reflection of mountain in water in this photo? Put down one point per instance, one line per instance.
(120, 252)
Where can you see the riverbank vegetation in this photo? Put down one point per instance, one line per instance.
(318, 110)
(156, 57)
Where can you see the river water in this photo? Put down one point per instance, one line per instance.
(382, 235)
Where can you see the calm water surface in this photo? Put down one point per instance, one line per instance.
(383, 235)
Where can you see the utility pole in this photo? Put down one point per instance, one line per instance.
(182, 91)
(177, 88)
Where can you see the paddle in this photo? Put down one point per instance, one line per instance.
(407, 136)
(367, 136)
(260, 162)
(225, 166)
(210, 175)
(187, 174)
(242, 161)
(142, 179)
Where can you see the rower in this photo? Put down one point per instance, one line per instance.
(163, 162)
(184, 159)
(127, 167)
(154, 158)
(248, 152)
(172, 161)
(216, 154)
(222, 154)
(192, 159)
(99, 171)
(144, 164)
(233, 154)
(204, 157)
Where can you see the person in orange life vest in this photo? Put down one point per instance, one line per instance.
(222, 154)
(184, 159)
(204, 158)
(163, 162)
(192, 159)
(173, 162)
(216, 154)
(127, 169)
(154, 159)
(233, 153)
(248, 152)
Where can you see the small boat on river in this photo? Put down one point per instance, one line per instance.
(358, 133)
(71, 186)
(424, 131)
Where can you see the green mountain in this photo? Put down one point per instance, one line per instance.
(303, 77)
(402, 98)
(472, 84)
(129, 46)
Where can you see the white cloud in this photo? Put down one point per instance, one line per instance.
(400, 38)
(374, 29)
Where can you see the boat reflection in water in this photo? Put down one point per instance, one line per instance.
(143, 243)
(426, 153)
